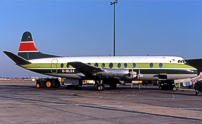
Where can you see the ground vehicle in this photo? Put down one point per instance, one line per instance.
(198, 87)
(69, 83)
(47, 83)
(166, 84)
(56, 82)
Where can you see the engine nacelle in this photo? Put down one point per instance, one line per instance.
(117, 73)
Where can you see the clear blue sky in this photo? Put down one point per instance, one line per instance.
(85, 28)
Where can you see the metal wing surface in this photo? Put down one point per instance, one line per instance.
(86, 68)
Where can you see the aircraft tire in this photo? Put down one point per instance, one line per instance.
(100, 87)
(174, 88)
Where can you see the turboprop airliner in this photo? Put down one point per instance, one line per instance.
(104, 70)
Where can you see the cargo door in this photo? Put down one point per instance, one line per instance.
(54, 65)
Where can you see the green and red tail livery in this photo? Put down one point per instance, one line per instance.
(28, 49)
(27, 43)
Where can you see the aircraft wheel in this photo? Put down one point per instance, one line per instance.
(174, 88)
(100, 87)
(38, 85)
(48, 84)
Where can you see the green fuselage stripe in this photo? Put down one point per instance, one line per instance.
(143, 71)
(129, 65)
(169, 68)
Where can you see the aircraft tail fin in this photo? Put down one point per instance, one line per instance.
(28, 49)
(17, 59)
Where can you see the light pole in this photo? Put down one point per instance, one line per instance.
(113, 3)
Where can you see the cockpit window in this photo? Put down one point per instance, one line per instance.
(181, 61)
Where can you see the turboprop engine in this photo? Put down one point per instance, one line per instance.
(117, 73)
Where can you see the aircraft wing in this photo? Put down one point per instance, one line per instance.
(196, 63)
(86, 68)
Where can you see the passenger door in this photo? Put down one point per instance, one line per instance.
(54, 65)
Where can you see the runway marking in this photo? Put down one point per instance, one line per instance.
(132, 94)
(91, 105)
(132, 97)
(43, 96)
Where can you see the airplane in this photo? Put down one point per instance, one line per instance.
(103, 69)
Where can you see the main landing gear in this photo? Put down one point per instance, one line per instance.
(100, 85)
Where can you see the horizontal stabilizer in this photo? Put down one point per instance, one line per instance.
(85, 68)
(17, 59)
(196, 63)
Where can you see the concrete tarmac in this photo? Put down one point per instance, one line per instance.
(23, 103)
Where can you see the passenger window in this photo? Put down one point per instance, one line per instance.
(119, 65)
(134, 65)
(88, 63)
(103, 65)
(62, 65)
(151, 65)
(160, 65)
(125, 65)
(67, 65)
(96, 64)
(111, 65)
